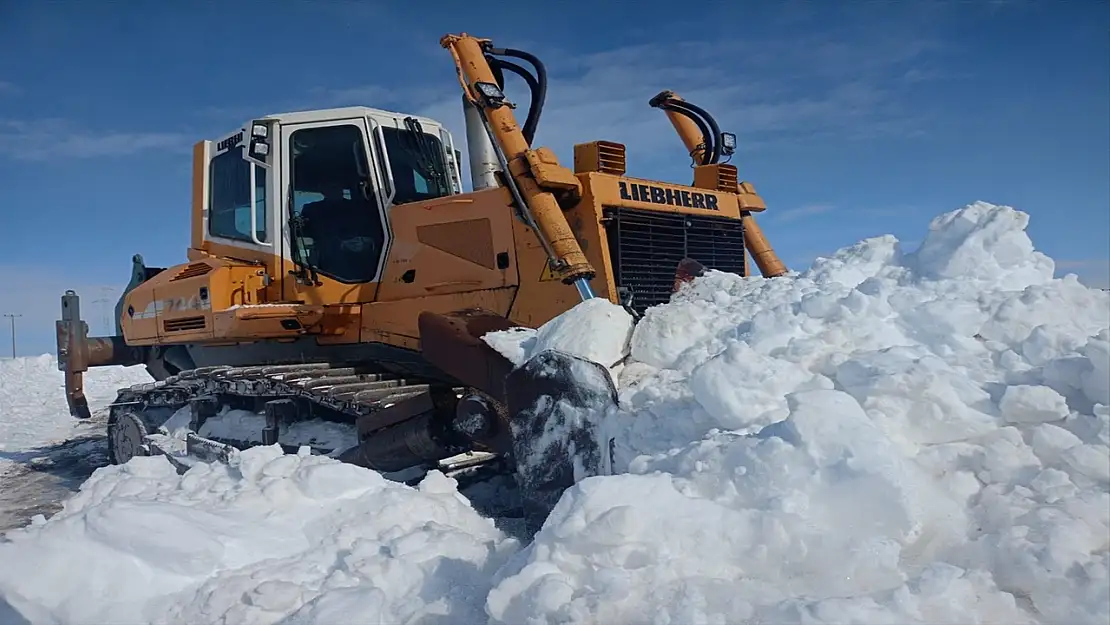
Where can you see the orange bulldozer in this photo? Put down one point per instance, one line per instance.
(339, 281)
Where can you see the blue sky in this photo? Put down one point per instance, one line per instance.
(855, 118)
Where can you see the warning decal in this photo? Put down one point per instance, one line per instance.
(548, 275)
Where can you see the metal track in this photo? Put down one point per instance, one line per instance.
(356, 395)
(346, 390)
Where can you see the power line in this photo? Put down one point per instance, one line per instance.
(12, 318)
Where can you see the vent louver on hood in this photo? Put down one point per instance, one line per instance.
(645, 248)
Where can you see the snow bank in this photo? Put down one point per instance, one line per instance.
(886, 437)
(33, 408)
(279, 535)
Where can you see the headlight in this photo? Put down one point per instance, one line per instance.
(492, 96)
(728, 143)
(490, 90)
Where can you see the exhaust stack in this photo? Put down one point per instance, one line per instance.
(483, 160)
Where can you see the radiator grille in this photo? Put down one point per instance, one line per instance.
(645, 248)
(183, 324)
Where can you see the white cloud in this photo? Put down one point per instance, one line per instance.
(43, 139)
(769, 92)
(802, 212)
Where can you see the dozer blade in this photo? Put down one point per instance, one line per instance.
(553, 402)
(556, 402)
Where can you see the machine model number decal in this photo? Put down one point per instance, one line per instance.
(180, 304)
(670, 197)
(230, 142)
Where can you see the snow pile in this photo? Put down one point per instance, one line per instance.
(886, 437)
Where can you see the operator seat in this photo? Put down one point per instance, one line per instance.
(346, 232)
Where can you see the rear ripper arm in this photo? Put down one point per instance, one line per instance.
(77, 352)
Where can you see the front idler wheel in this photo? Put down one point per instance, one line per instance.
(126, 437)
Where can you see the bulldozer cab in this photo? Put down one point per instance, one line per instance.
(308, 195)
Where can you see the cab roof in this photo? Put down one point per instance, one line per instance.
(311, 115)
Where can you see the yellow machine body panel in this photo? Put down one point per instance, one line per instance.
(457, 252)
(210, 300)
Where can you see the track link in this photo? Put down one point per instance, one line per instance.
(355, 395)
(349, 391)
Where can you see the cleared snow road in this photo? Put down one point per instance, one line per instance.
(45, 454)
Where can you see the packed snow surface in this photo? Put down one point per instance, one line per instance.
(887, 437)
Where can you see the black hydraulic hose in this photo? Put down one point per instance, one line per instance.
(697, 110)
(539, 96)
(673, 106)
(498, 75)
(535, 104)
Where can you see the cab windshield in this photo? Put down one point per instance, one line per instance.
(416, 159)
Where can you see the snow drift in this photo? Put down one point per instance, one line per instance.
(887, 437)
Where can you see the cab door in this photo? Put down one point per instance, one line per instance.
(337, 236)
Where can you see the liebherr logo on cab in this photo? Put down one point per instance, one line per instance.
(230, 142)
(670, 197)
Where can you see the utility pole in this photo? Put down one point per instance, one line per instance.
(106, 303)
(102, 305)
(12, 317)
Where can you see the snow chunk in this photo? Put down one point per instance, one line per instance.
(595, 329)
(515, 343)
(1032, 404)
(983, 242)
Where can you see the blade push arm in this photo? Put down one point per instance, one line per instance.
(694, 131)
(534, 175)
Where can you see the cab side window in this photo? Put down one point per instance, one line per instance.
(229, 197)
